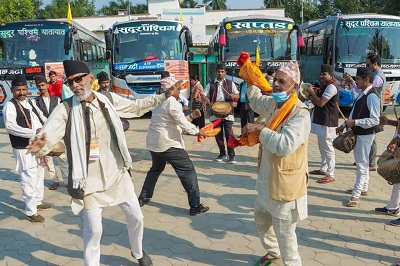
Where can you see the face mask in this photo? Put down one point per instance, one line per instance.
(280, 97)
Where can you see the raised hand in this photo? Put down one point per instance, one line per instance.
(36, 145)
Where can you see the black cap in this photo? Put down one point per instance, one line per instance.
(19, 80)
(327, 68)
(102, 76)
(40, 79)
(221, 66)
(364, 72)
(72, 67)
(165, 74)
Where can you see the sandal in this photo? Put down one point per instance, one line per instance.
(326, 180)
(353, 202)
(54, 186)
(398, 264)
(363, 193)
(267, 260)
(317, 172)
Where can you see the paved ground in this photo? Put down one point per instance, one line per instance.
(332, 235)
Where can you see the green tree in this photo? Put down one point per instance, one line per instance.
(217, 4)
(39, 12)
(293, 8)
(79, 8)
(274, 3)
(114, 6)
(189, 4)
(16, 10)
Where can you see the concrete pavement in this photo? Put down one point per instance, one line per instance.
(333, 234)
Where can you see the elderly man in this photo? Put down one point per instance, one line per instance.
(165, 142)
(98, 157)
(282, 177)
(364, 121)
(22, 122)
(325, 119)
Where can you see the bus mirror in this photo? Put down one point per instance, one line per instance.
(222, 36)
(190, 56)
(68, 41)
(108, 39)
(108, 54)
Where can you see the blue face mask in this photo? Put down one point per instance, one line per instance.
(280, 97)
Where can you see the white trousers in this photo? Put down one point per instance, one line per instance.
(93, 229)
(361, 157)
(32, 183)
(394, 202)
(327, 156)
(278, 236)
(62, 163)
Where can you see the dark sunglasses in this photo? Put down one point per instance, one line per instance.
(77, 79)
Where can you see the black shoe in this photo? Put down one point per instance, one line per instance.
(145, 260)
(384, 210)
(220, 158)
(143, 201)
(198, 209)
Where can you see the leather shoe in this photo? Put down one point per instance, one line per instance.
(198, 209)
(145, 260)
(143, 201)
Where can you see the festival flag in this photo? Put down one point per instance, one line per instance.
(69, 14)
(180, 14)
(258, 60)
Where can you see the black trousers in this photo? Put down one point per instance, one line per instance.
(246, 116)
(184, 168)
(226, 129)
(200, 121)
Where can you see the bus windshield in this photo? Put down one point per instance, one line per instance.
(358, 37)
(274, 39)
(31, 44)
(147, 41)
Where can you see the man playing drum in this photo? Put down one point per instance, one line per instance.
(223, 90)
(363, 119)
(325, 117)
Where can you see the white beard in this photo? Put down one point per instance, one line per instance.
(85, 95)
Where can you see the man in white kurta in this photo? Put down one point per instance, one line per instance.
(107, 182)
(21, 128)
(276, 220)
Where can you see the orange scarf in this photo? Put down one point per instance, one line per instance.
(252, 138)
(252, 74)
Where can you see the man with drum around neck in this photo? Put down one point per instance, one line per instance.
(223, 90)
(325, 118)
(282, 177)
(363, 120)
(22, 123)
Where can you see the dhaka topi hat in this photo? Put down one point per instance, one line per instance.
(364, 72)
(40, 79)
(102, 76)
(292, 70)
(19, 80)
(72, 67)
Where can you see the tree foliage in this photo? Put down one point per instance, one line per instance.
(79, 8)
(16, 10)
(189, 3)
(217, 4)
(114, 6)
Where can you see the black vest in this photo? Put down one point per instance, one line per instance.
(42, 106)
(16, 141)
(327, 115)
(227, 84)
(360, 111)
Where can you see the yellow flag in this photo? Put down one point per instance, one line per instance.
(180, 15)
(258, 60)
(69, 14)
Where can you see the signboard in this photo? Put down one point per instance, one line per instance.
(159, 65)
(57, 67)
(369, 23)
(180, 69)
(259, 25)
(198, 50)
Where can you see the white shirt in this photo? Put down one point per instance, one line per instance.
(220, 96)
(167, 123)
(321, 130)
(284, 143)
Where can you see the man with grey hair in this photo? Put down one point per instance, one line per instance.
(282, 177)
(98, 157)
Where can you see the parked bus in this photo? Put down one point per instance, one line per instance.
(275, 38)
(35, 47)
(344, 42)
(140, 50)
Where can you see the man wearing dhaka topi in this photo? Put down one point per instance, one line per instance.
(282, 177)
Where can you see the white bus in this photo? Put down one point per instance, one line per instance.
(344, 42)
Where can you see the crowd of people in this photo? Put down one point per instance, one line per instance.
(96, 165)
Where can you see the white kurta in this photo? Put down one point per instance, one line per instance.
(294, 134)
(108, 182)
